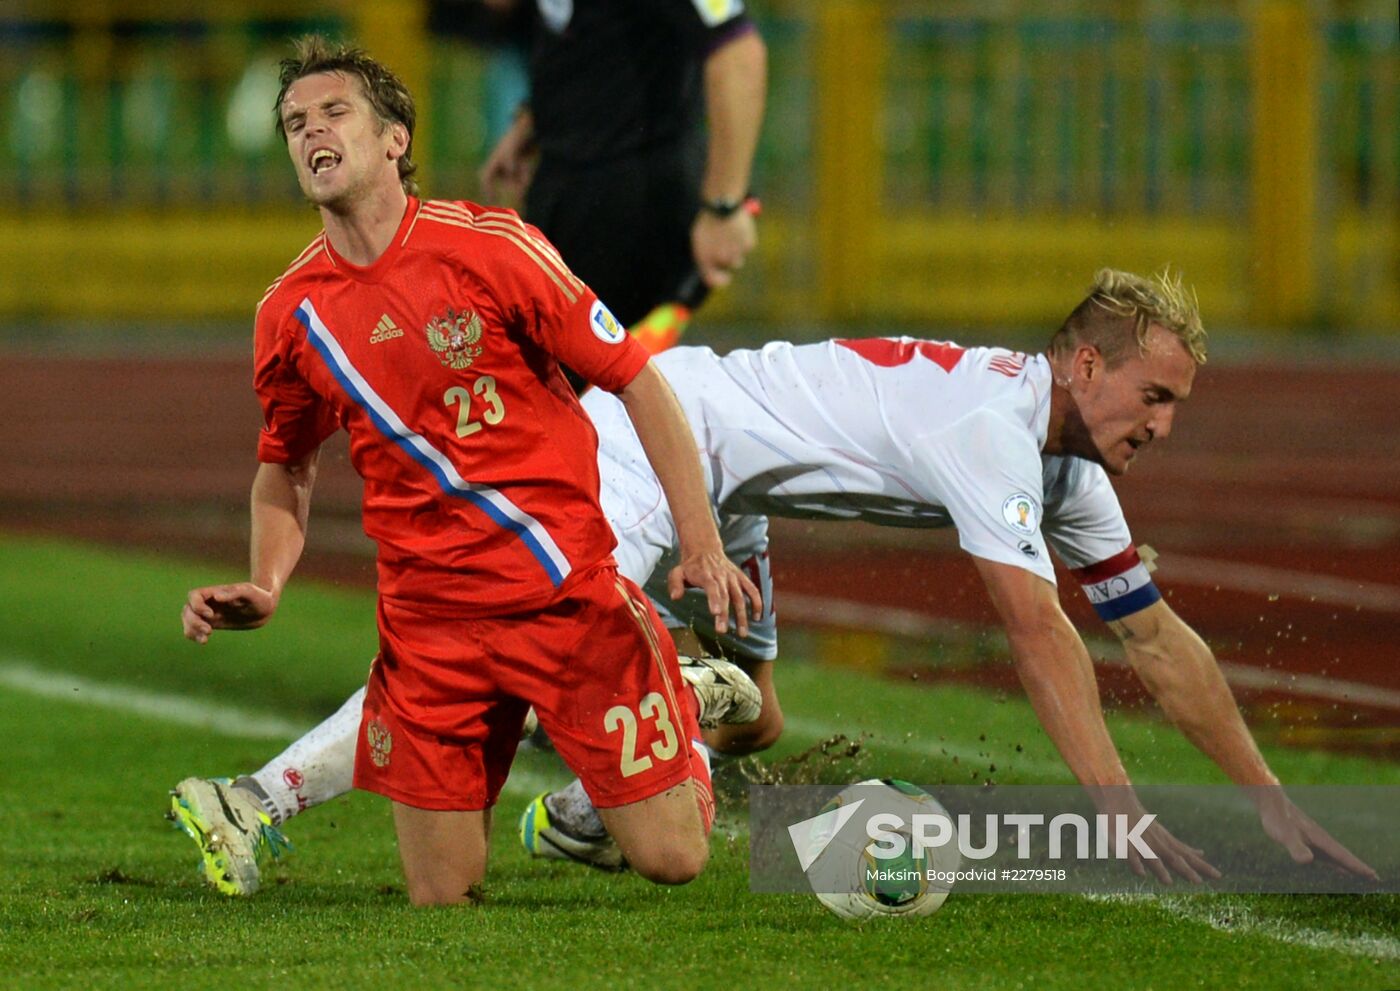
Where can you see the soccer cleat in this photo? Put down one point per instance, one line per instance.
(231, 830)
(726, 694)
(543, 838)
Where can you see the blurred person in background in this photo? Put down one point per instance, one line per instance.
(634, 151)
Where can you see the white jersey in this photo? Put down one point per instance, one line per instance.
(893, 431)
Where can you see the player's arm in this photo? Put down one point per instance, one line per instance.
(280, 505)
(1182, 674)
(1058, 675)
(670, 447)
(736, 83)
(511, 165)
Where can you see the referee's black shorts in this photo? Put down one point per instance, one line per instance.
(622, 226)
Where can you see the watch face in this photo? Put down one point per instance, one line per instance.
(722, 208)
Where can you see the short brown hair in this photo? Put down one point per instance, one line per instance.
(1121, 307)
(387, 95)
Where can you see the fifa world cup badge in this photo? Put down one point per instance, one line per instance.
(381, 741)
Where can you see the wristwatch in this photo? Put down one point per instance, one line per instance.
(723, 208)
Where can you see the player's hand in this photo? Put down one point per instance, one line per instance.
(1173, 857)
(720, 244)
(726, 588)
(1297, 832)
(511, 164)
(240, 606)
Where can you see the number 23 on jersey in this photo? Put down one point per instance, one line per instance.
(482, 398)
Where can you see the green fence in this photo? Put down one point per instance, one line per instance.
(920, 161)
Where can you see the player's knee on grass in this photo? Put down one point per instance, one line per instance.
(440, 890)
(663, 837)
(443, 853)
(670, 862)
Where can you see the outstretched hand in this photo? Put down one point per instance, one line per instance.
(240, 606)
(726, 588)
(1173, 856)
(1297, 832)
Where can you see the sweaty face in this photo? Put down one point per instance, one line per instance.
(335, 140)
(1127, 407)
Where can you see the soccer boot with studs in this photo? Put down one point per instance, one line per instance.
(726, 695)
(552, 841)
(230, 828)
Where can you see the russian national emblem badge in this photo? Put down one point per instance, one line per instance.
(455, 338)
(380, 740)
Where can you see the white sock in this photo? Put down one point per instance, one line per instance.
(314, 769)
(571, 808)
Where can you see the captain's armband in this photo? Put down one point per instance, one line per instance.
(1118, 586)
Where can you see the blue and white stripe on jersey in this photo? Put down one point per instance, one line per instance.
(495, 505)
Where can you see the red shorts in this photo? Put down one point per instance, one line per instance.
(447, 699)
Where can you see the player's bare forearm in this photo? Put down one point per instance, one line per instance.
(1055, 669)
(281, 503)
(1181, 672)
(281, 507)
(736, 85)
(735, 81)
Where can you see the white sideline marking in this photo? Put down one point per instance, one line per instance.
(1231, 915)
(225, 720)
(824, 611)
(1267, 580)
(1309, 685)
(211, 717)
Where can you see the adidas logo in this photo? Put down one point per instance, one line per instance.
(385, 330)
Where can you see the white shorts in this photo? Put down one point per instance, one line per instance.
(633, 502)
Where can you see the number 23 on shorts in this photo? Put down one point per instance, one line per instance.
(621, 717)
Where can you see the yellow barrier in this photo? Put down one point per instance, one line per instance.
(159, 266)
(1283, 63)
(1257, 226)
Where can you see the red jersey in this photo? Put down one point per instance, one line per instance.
(441, 360)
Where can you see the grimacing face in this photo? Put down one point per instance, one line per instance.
(336, 142)
(1127, 407)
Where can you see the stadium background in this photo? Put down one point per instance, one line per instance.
(944, 169)
(941, 169)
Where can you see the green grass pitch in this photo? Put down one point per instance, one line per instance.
(98, 891)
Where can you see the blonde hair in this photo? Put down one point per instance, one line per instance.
(1121, 307)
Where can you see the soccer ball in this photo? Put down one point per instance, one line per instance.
(854, 883)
